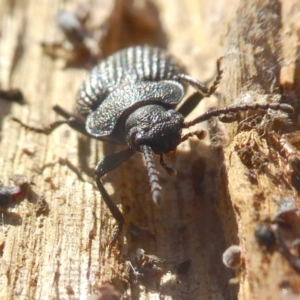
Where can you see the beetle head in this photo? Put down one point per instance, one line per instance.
(154, 126)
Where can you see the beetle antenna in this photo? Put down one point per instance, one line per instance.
(239, 108)
(152, 173)
(47, 130)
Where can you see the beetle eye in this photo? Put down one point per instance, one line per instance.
(140, 135)
(137, 138)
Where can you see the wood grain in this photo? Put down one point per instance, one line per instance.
(63, 254)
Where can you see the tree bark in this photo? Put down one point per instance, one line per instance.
(62, 252)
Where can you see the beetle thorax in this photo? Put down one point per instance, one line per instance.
(154, 126)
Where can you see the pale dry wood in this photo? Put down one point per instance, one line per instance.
(55, 255)
(64, 254)
(46, 256)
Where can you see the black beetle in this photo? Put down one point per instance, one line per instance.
(132, 98)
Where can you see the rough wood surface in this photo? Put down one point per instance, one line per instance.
(260, 63)
(63, 254)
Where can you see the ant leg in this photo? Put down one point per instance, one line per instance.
(107, 164)
(238, 108)
(202, 90)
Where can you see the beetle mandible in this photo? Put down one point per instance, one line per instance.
(131, 98)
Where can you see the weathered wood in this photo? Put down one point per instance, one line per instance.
(63, 254)
(259, 57)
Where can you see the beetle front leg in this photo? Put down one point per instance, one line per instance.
(190, 104)
(107, 164)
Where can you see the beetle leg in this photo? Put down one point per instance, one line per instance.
(107, 164)
(190, 103)
(195, 83)
(202, 90)
(172, 172)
